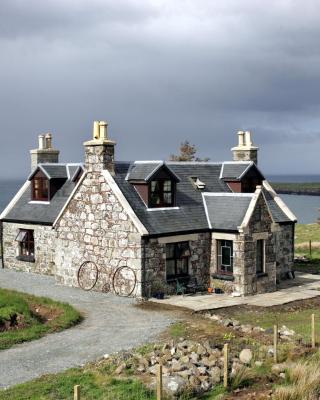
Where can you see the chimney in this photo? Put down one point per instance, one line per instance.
(245, 151)
(99, 152)
(44, 153)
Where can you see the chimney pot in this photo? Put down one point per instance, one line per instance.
(248, 138)
(48, 140)
(41, 142)
(96, 131)
(241, 138)
(103, 129)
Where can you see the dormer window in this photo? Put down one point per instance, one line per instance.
(161, 193)
(40, 189)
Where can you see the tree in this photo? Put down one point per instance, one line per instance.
(187, 153)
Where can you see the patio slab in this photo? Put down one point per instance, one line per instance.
(305, 286)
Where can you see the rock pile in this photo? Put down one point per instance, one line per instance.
(187, 365)
(284, 332)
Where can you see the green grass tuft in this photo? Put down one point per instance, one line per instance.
(15, 303)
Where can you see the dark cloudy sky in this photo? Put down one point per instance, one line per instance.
(161, 72)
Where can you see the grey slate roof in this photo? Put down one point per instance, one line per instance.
(225, 211)
(191, 215)
(233, 170)
(277, 214)
(26, 211)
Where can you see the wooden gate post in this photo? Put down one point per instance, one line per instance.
(310, 248)
(225, 364)
(159, 382)
(313, 331)
(275, 343)
(76, 392)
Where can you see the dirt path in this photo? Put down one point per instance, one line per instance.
(111, 324)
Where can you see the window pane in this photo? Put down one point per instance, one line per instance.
(167, 198)
(182, 266)
(45, 188)
(155, 199)
(226, 255)
(260, 256)
(170, 267)
(167, 186)
(155, 186)
(21, 236)
(170, 250)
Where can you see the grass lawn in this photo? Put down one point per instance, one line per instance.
(304, 233)
(95, 383)
(24, 317)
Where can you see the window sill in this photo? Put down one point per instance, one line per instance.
(162, 208)
(39, 202)
(26, 258)
(262, 275)
(223, 277)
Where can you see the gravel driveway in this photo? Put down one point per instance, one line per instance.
(111, 324)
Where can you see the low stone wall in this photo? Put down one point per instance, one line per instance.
(44, 243)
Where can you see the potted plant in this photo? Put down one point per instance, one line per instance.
(158, 289)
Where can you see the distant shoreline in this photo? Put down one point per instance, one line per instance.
(307, 189)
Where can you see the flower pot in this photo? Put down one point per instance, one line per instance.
(218, 290)
(210, 290)
(159, 295)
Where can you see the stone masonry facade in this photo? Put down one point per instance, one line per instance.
(95, 227)
(245, 281)
(44, 238)
(155, 258)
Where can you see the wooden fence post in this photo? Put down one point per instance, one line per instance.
(76, 392)
(275, 343)
(159, 382)
(310, 248)
(313, 331)
(225, 364)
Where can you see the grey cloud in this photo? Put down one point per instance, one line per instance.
(161, 72)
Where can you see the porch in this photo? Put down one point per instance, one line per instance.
(304, 286)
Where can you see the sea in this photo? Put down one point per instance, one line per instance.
(306, 208)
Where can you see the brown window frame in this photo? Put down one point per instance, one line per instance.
(177, 257)
(161, 193)
(40, 193)
(25, 239)
(224, 269)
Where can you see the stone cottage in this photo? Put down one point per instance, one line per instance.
(209, 224)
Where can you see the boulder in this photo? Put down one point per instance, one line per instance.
(120, 369)
(215, 374)
(174, 385)
(245, 356)
(176, 366)
(194, 381)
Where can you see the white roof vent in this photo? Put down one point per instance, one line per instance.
(197, 183)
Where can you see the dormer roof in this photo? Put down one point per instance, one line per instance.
(143, 171)
(236, 170)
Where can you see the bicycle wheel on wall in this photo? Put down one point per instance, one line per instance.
(88, 274)
(124, 281)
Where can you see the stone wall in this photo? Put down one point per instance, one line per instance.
(95, 227)
(245, 281)
(284, 239)
(44, 244)
(155, 258)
